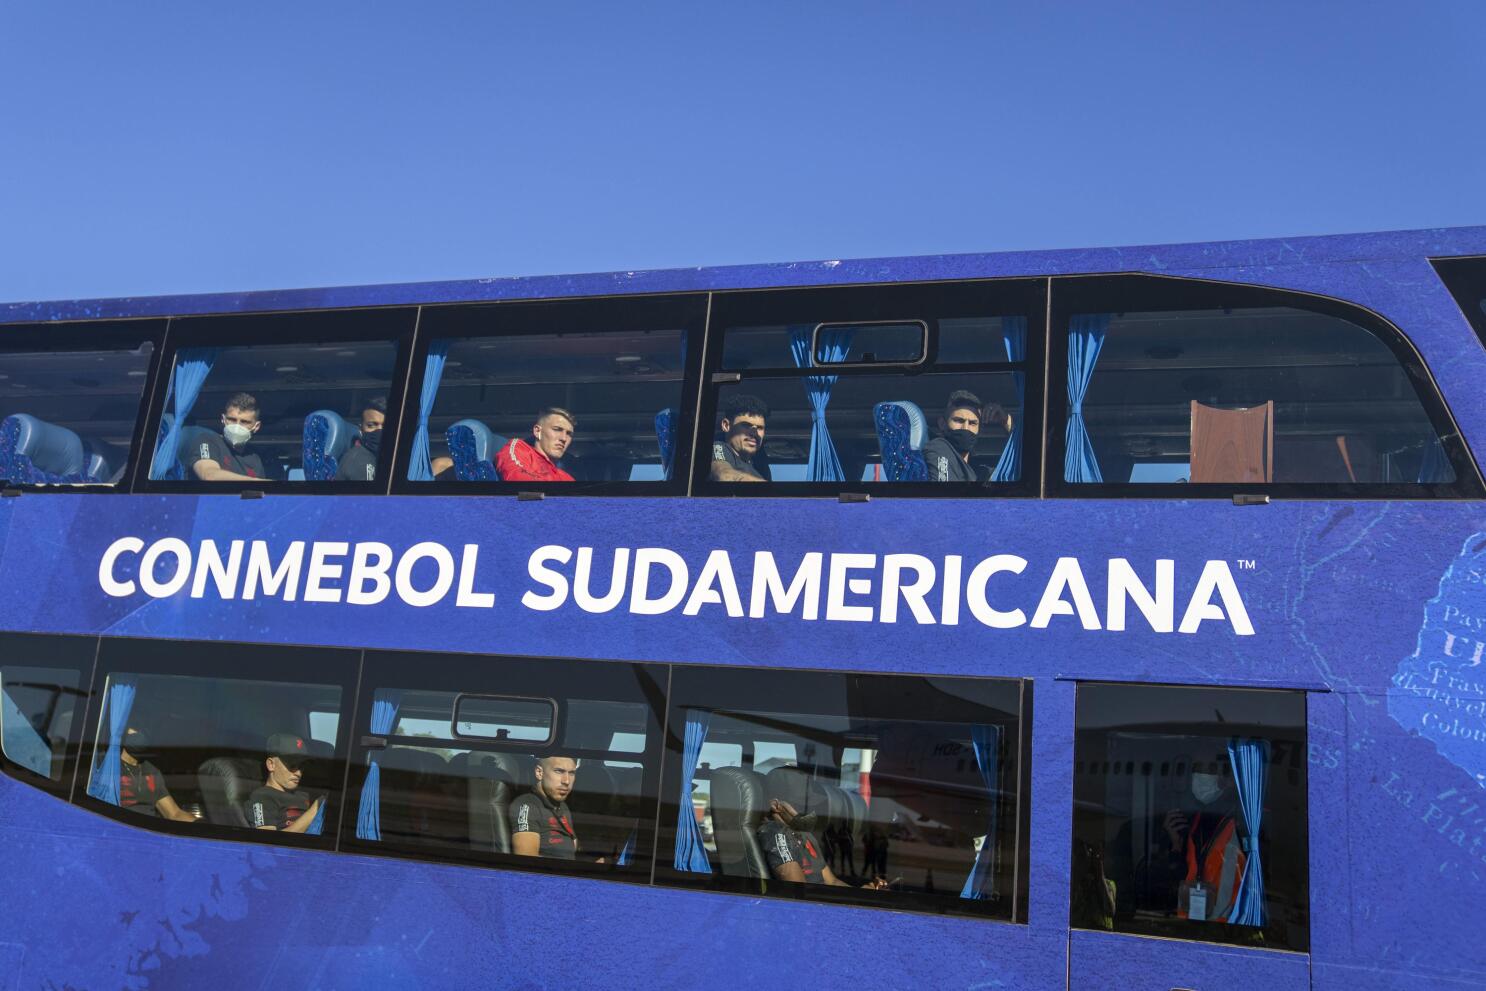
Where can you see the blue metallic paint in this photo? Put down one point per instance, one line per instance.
(1347, 598)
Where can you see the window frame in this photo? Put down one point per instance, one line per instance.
(1156, 293)
(446, 672)
(1165, 929)
(59, 652)
(906, 302)
(100, 335)
(686, 312)
(765, 694)
(395, 325)
(231, 661)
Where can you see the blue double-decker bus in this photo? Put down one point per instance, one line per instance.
(1081, 619)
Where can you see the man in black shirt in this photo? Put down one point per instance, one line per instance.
(359, 463)
(787, 834)
(141, 785)
(541, 823)
(742, 429)
(279, 804)
(947, 456)
(226, 458)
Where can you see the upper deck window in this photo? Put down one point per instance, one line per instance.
(845, 388)
(544, 395)
(299, 398)
(1176, 383)
(68, 414)
(1466, 280)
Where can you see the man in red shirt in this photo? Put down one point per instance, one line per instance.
(535, 460)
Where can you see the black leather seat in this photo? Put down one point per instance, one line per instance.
(226, 783)
(494, 782)
(737, 812)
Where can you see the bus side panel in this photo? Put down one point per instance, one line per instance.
(1113, 962)
(96, 904)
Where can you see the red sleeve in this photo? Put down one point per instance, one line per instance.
(513, 463)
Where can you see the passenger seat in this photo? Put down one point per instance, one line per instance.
(226, 783)
(737, 812)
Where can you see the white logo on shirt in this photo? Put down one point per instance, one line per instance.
(523, 820)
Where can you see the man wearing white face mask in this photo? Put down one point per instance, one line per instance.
(1207, 845)
(226, 458)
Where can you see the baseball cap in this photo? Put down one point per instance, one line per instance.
(292, 750)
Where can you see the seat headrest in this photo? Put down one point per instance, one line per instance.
(788, 784)
(327, 436)
(909, 418)
(484, 440)
(52, 449)
(501, 767)
(740, 792)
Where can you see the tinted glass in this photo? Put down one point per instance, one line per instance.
(1466, 280)
(1244, 396)
(1171, 787)
(69, 416)
(467, 797)
(196, 747)
(895, 792)
(38, 706)
(553, 393)
(855, 437)
(288, 383)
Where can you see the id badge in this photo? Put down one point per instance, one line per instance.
(1193, 896)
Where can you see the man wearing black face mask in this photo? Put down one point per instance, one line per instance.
(948, 454)
(141, 785)
(359, 463)
(787, 837)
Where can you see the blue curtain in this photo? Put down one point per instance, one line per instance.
(627, 853)
(823, 465)
(104, 784)
(1436, 466)
(1085, 337)
(192, 366)
(986, 741)
(1250, 760)
(383, 718)
(1014, 334)
(690, 854)
(420, 467)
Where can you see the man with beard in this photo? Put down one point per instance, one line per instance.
(541, 822)
(947, 456)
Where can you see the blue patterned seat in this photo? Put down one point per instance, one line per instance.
(327, 436)
(34, 452)
(901, 434)
(665, 434)
(473, 447)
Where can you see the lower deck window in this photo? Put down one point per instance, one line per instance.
(899, 792)
(1189, 814)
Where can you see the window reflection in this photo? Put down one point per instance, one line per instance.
(1189, 814)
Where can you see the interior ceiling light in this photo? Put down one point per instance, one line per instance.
(345, 354)
(287, 368)
(627, 359)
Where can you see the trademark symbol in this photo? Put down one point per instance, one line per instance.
(1245, 564)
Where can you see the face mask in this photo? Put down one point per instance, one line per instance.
(1206, 788)
(137, 744)
(371, 440)
(963, 441)
(237, 435)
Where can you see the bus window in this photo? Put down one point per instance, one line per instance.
(37, 709)
(234, 750)
(1190, 814)
(535, 763)
(299, 398)
(551, 394)
(68, 416)
(889, 791)
(844, 388)
(1466, 280)
(1173, 383)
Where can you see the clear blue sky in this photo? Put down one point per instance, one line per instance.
(168, 147)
